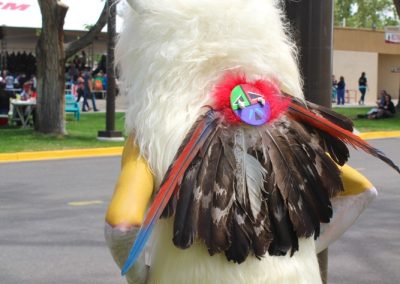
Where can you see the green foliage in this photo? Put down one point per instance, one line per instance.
(81, 134)
(343, 11)
(365, 13)
(88, 26)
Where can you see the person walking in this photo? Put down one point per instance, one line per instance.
(341, 86)
(362, 87)
(334, 87)
(88, 85)
(80, 90)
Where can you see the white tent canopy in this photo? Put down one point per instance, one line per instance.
(26, 14)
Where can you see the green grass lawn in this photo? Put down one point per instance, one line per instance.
(367, 125)
(81, 134)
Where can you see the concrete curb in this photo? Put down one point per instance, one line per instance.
(117, 151)
(379, 134)
(60, 154)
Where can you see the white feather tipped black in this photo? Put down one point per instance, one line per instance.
(250, 176)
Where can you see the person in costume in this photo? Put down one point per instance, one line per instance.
(135, 185)
(225, 161)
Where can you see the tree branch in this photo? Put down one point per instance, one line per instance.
(73, 47)
(397, 5)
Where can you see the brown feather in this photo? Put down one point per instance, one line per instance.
(206, 181)
(284, 237)
(212, 121)
(295, 186)
(322, 176)
(223, 198)
(186, 218)
(240, 236)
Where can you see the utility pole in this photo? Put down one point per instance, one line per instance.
(312, 22)
(110, 134)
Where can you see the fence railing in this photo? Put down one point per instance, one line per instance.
(351, 96)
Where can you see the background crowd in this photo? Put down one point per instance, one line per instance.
(81, 80)
(385, 108)
(85, 82)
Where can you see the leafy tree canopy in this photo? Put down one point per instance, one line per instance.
(365, 13)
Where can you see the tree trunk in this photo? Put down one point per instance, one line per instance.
(51, 56)
(50, 69)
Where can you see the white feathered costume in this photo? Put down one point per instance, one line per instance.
(171, 54)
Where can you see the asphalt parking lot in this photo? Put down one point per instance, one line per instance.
(52, 216)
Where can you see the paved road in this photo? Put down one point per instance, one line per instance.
(370, 251)
(46, 239)
(43, 239)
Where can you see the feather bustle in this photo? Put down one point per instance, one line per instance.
(260, 189)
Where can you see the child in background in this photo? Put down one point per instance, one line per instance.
(25, 94)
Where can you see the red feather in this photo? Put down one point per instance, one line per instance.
(178, 168)
(304, 115)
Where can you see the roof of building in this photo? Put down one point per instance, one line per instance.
(26, 14)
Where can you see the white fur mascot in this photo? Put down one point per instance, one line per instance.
(238, 169)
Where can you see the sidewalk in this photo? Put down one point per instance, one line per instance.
(355, 104)
(120, 104)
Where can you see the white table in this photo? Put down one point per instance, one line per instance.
(14, 91)
(24, 110)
